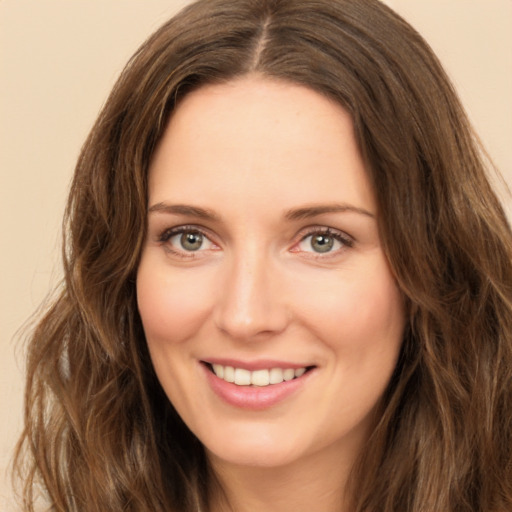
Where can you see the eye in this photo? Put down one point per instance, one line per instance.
(320, 242)
(324, 241)
(185, 240)
(188, 240)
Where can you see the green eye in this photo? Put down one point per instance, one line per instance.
(187, 242)
(191, 241)
(322, 242)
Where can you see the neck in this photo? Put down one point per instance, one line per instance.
(314, 483)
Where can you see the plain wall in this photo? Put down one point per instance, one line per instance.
(58, 61)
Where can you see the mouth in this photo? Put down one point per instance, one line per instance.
(256, 378)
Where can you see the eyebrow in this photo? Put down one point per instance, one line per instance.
(292, 214)
(315, 210)
(184, 209)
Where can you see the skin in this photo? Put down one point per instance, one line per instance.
(249, 152)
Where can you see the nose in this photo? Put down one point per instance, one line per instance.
(251, 302)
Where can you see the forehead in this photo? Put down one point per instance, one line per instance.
(254, 137)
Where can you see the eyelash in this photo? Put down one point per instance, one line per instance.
(168, 233)
(345, 240)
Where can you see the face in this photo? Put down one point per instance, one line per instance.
(271, 315)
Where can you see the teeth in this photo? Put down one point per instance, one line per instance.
(219, 370)
(229, 374)
(242, 377)
(288, 374)
(261, 378)
(299, 372)
(276, 376)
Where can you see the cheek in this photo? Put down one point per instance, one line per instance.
(171, 304)
(356, 310)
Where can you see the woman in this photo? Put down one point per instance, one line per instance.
(287, 280)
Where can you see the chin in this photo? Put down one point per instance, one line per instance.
(247, 457)
(259, 451)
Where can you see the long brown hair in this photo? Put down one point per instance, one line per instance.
(100, 433)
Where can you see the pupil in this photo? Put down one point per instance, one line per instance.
(322, 243)
(191, 241)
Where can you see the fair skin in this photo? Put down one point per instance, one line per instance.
(263, 255)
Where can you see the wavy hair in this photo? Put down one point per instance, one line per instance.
(100, 433)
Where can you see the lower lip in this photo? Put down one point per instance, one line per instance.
(254, 397)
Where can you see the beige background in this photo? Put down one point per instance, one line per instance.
(59, 59)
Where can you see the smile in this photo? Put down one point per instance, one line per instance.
(260, 378)
(260, 385)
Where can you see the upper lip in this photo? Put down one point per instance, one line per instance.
(259, 364)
